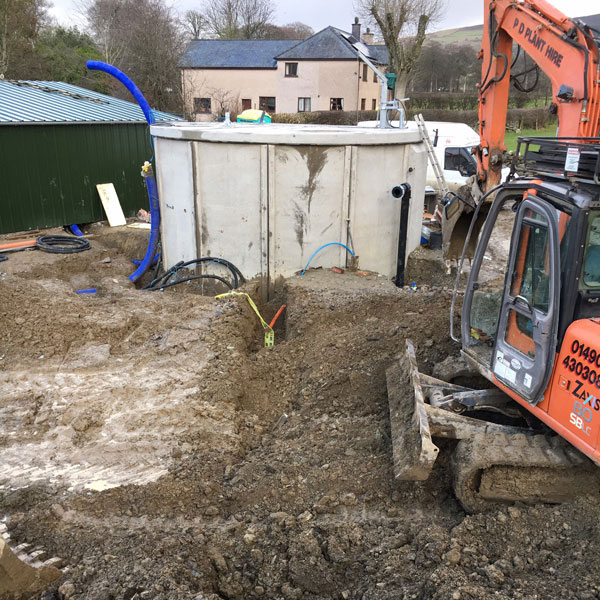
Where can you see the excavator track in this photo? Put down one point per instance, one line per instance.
(490, 471)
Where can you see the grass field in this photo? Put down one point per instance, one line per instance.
(511, 136)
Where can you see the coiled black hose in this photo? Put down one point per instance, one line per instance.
(169, 278)
(62, 244)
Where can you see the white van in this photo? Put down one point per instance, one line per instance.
(452, 143)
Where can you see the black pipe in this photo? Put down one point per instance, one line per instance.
(403, 193)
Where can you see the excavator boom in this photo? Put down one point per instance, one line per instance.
(567, 51)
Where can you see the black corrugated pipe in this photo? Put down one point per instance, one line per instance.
(403, 193)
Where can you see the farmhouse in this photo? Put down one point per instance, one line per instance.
(323, 72)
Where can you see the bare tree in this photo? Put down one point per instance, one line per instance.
(144, 39)
(291, 31)
(402, 24)
(224, 101)
(238, 19)
(195, 24)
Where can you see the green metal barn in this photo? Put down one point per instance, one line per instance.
(57, 141)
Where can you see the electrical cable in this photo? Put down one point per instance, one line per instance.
(61, 244)
(164, 281)
(207, 276)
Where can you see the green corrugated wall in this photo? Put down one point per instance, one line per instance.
(48, 173)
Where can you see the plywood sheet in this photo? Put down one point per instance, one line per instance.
(111, 204)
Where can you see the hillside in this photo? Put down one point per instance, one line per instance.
(472, 35)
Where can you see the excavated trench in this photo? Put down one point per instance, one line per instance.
(152, 443)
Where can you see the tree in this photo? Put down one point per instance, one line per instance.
(195, 24)
(291, 31)
(144, 39)
(62, 54)
(20, 25)
(402, 24)
(238, 19)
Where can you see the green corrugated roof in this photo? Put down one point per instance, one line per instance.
(57, 102)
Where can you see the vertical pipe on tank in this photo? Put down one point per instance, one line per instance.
(403, 193)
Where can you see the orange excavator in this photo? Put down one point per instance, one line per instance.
(530, 322)
(567, 52)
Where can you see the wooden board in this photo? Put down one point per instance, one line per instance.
(111, 204)
(140, 225)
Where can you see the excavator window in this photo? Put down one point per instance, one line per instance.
(591, 264)
(489, 286)
(530, 280)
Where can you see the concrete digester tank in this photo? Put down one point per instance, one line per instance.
(266, 197)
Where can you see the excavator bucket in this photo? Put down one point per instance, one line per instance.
(413, 451)
(456, 220)
(23, 575)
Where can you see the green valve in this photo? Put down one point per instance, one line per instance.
(391, 80)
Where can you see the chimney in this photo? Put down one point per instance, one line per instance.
(356, 29)
(368, 37)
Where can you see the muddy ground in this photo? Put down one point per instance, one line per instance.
(150, 441)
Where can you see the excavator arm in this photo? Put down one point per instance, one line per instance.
(566, 51)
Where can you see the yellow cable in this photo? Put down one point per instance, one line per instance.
(269, 333)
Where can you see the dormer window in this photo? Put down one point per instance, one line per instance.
(291, 69)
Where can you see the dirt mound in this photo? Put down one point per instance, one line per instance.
(162, 452)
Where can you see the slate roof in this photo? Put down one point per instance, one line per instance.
(58, 102)
(379, 53)
(234, 54)
(328, 44)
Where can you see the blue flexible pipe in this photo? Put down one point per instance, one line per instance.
(74, 229)
(154, 232)
(98, 65)
(321, 248)
(147, 172)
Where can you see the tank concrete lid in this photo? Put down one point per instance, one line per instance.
(283, 133)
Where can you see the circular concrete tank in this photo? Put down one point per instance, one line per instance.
(266, 197)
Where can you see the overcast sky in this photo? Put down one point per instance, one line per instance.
(340, 13)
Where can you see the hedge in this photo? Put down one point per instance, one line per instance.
(517, 118)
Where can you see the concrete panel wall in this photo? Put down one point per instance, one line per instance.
(231, 189)
(307, 206)
(176, 199)
(267, 207)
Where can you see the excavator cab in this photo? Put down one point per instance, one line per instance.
(521, 299)
(511, 306)
(530, 325)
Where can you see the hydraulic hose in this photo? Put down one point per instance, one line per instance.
(148, 175)
(147, 172)
(98, 65)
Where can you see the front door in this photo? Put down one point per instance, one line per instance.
(526, 340)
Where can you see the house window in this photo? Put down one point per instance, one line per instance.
(202, 105)
(303, 104)
(246, 103)
(364, 72)
(336, 104)
(373, 104)
(267, 103)
(374, 77)
(363, 104)
(291, 69)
